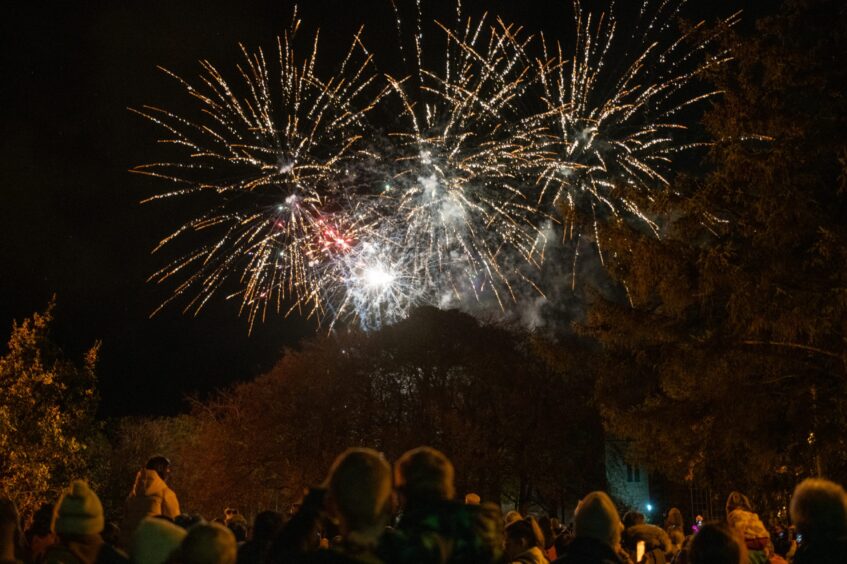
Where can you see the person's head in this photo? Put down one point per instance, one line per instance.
(597, 518)
(716, 543)
(266, 525)
(673, 520)
(523, 535)
(737, 500)
(633, 518)
(161, 465)
(511, 517)
(424, 474)
(186, 520)
(154, 541)
(819, 509)
(472, 499)
(78, 511)
(239, 529)
(208, 543)
(359, 489)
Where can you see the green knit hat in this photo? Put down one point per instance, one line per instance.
(79, 511)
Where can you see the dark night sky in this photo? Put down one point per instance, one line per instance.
(70, 217)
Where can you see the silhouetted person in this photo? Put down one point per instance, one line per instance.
(597, 532)
(434, 527)
(150, 496)
(525, 542)
(716, 543)
(819, 511)
(265, 527)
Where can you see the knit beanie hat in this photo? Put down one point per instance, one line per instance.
(78, 512)
(597, 518)
(154, 540)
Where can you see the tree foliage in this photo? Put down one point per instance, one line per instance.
(729, 366)
(515, 425)
(47, 405)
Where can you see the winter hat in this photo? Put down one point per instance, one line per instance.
(78, 512)
(597, 518)
(154, 540)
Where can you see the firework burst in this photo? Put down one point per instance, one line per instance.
(272, 150)
(613, 116)
(481, 149)
(460, 152)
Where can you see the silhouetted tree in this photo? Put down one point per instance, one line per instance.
(729, 366)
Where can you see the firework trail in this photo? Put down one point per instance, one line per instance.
(316, 209)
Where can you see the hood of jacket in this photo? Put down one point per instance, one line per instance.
(148, 483)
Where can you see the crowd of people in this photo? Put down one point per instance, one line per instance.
(367, 512)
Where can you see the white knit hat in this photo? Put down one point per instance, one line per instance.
(78, 512)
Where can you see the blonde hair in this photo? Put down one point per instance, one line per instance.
(359, 487)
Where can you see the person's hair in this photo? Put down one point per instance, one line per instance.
(359, 488)
(716, 543)
(673, 520)
(737, 500)
(266, 525)
(527, 530)
(158, 463)
(187, 520)
(472, 499)
(632, 518)
(239, 530)
(512, 516)
(41, 522)
(208, 543)
(819, 509)
(424, 473)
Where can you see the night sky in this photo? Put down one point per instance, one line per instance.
(70, 214)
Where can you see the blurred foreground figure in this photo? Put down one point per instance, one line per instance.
(208, 543)
(819, 511)
(434, 527)
(716, 543)
(78, 522)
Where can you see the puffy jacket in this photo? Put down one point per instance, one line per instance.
(150, 497)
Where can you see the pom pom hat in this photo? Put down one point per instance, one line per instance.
(79, 511)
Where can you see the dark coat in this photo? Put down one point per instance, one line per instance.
(822, 552)
(443, 531)
(583, 550)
